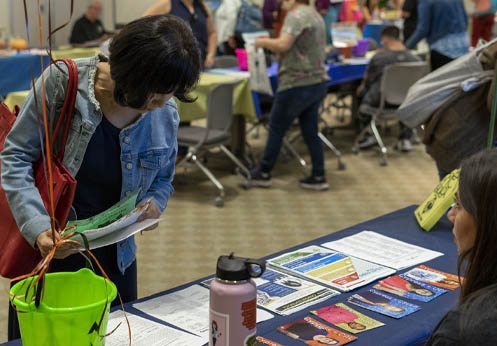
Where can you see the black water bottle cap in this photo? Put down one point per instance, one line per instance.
(233, 268)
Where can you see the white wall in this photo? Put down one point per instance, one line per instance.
(128, 10)
(60, 15)
(4, 16)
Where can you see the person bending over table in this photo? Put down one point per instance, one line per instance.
(122, 139)
(369, 90)
(302, 80)
(474, 216)
(89, 30)
(198, 15)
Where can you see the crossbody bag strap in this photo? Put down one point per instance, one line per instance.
(66, 113)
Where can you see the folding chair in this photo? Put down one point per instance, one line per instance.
(215, 135)
(395, 83)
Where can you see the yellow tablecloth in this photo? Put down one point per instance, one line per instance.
(75, 53)
(15, 98)
(243, 102)
(242, 98)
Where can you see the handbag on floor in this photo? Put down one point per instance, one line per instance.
(17, 257)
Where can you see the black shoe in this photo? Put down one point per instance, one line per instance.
(314, 183)
(260, 178)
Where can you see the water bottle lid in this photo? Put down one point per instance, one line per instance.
(233, 268)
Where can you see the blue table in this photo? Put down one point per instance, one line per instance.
(410, 330)
(17, 70)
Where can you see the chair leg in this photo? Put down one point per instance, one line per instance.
(292, 150)
(355, 147)
(212, 178)
(327, 142)
(241, 166)
(383, 159)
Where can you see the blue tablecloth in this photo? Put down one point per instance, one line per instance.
(17, 70)
(410, 330)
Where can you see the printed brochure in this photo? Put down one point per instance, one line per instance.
(382, 303)
(330, 268)
(260, 341)
(346, 318)
(407, 287)
(386, 251)
(312, 332)
(434, 277)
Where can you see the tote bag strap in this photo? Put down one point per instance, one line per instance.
(68, 107)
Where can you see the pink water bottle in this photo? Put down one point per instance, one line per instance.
(233, 301)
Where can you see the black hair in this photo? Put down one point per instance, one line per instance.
(154, 54)
(477, 191)
(391, 32)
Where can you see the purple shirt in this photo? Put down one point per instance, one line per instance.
(322, 4)
(269, 7)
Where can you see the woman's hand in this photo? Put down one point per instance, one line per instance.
(209, 61)
(260, 41)
(45, 245)
(152, 212)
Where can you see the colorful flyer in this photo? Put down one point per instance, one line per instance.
(328, 267)
(285, 294)
(434, 277)
(407, 287)
(346, 318)
(312, 332)
(382, 303)
(260, 341)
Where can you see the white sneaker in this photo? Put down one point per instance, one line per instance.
(404, 145)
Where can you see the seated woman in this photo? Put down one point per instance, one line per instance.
(474, 217)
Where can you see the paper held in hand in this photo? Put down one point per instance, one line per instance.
(114, 224)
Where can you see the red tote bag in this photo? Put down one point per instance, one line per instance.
(17, 257)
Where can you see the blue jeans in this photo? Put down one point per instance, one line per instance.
(302, 103)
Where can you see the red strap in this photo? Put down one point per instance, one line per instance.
(65, 116)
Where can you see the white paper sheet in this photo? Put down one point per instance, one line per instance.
(122, 233)
(146, 333)
(377, 248)
(187, 309)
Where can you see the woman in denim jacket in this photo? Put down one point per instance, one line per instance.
(122, 138)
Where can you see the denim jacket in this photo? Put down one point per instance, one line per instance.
(148, 151)
(438, 18)
(249, 18)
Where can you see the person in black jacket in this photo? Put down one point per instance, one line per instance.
(474, 217)
(89, 30)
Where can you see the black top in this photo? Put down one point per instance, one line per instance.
(85, 30)
(100, 176)
(410, 22)
(471, 324)
(197, 21)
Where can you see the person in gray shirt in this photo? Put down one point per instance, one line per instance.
(369, 91)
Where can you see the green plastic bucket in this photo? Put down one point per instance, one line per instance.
(69, 312)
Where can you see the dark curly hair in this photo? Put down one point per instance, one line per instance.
(154, 54)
